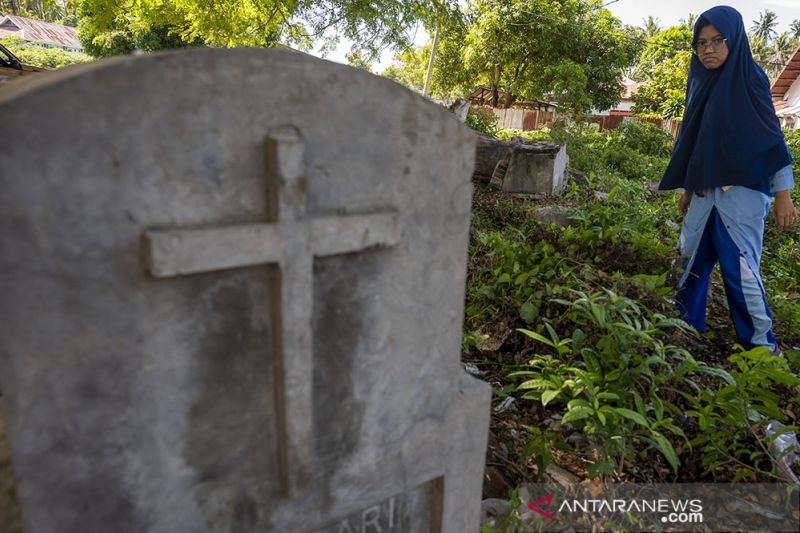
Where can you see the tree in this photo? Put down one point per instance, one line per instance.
(59, 11)
(410, 67)
(764, 27)
(450, 79)
(651, 27)
(109, 27)
(664, 66)
(766, 55)
(783, 47)
(665, 45)
(795, 29)
(569, 51)
(356, 59)
(689, 22)
(664, 94)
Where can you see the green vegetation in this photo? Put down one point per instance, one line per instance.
(588, 333)
(108, 27)
(568, 51)
(41, 56)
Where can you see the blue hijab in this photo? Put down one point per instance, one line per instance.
(729, 134)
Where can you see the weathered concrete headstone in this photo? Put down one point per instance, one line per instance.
(232, 299)
(536, 168)
(519, 166)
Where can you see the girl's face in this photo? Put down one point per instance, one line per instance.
(711, 47)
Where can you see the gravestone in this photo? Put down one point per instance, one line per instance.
(538, 167)
(233, 288)
(521, 167)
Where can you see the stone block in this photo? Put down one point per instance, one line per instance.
(538, 167)
(554, 214)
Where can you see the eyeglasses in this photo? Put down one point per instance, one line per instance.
(713, 45)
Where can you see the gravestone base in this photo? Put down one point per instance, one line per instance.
(538, 167)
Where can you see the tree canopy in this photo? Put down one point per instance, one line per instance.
(110, 27)
(664, 67)
(569, 51)
(58, 11)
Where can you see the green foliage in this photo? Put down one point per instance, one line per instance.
(482, 120)
(109, 27)
(663, 47)
(636, 150)
(566, 50)
(41, 56)
(599, 340)
(410, 68)
(542, 134)
(609, 373)
(58, 11)
(728, 415)
(665, 91)
(645, 138)
(664, 66)
(357, 60)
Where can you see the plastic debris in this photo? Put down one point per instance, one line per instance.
(509, 404)
(785, 448)
(473, 370)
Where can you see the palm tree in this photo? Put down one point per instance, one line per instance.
(651, 27)
(766, 56)
(764, 27)
(783, 47)
(689, 21)
(795, 28)
(760, 49)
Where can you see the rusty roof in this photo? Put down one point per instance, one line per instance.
(40, 32)
(787, 76)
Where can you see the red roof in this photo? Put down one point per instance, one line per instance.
(40, 32)
(787, 76)
(630, 87)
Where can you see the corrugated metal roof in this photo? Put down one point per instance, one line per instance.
(41, 32)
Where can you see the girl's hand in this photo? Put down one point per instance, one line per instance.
(785, 212)
(683, 203)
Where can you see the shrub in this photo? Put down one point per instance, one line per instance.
(482, 120)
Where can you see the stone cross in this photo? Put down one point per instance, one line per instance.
(290, 241)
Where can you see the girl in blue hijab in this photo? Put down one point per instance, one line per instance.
(730, 158)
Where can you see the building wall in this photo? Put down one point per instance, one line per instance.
(793, 94)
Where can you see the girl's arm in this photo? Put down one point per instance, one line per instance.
(782, 184)
(785, 212)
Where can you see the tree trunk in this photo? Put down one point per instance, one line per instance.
(495, 85)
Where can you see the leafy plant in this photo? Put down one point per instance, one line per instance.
(608, 374)
(41, 56)
(482, 120)
(730, 417)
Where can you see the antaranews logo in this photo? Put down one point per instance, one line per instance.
(535, 506)
(672, 511)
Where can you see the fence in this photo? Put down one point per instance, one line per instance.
(610, 122)
(523, 119)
